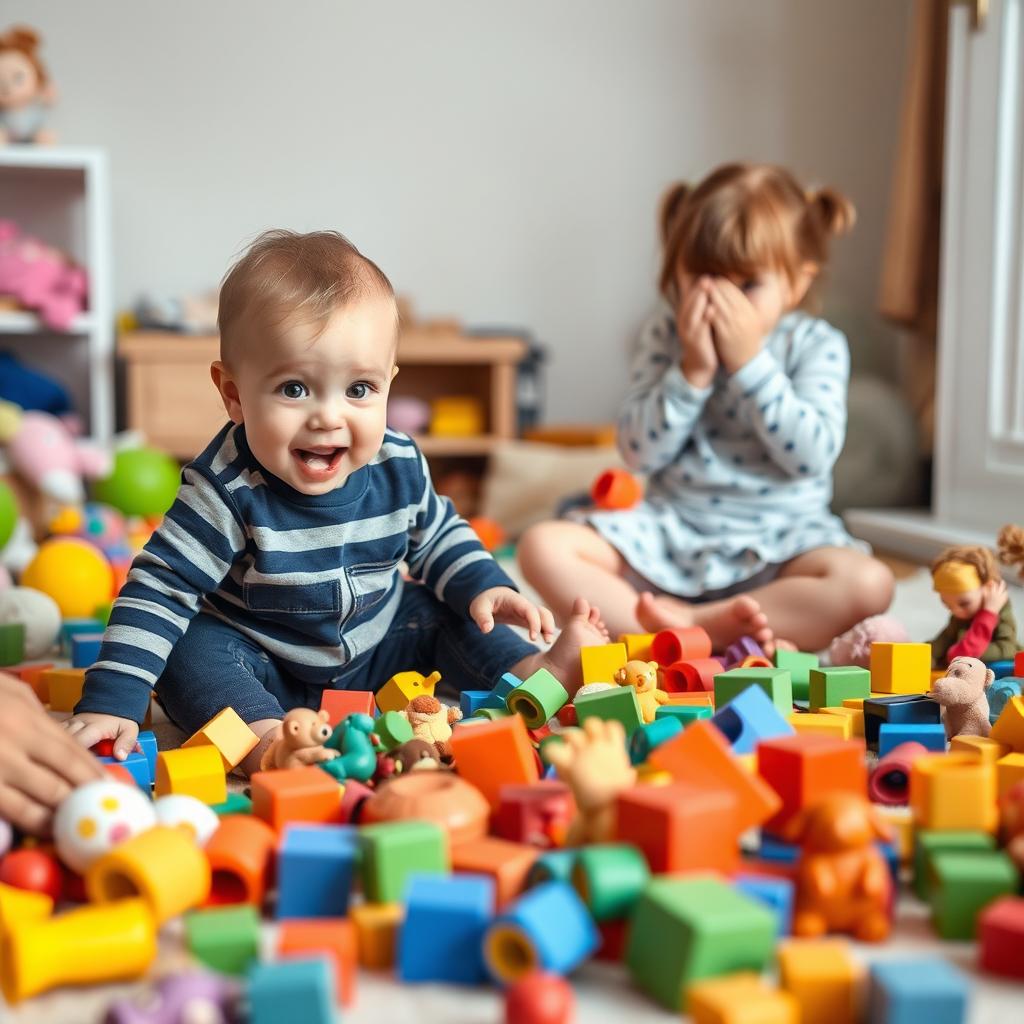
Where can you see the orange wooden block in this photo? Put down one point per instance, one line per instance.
(377, 927)
(493, 755)
(1009, 771)
(64, 687)
(32, 673)
(506, 862)
(823, 976)
(705, 699)
(984, 747)
(701, 755)
(738, 999)
(681, 827)
(229, 734)
(241, 854)
(339, 704)
(198, 772)
(336, 937)
(296, 794)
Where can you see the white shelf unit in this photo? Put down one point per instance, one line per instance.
(61, 195)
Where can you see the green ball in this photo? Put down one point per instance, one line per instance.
(8, 513)
(143, 483)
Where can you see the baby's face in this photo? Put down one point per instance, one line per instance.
(315, 406)
(770, 293)
(963, 606)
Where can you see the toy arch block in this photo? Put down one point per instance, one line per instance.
(403, 687)
(601, 662)
(334, 938)
(717, 1000)
(901, 668)
(506, 863)
(824, 977)
(197, 771)
(494, 754)
(304, 794)
(229, 734)
(241, 854)
(953, 791)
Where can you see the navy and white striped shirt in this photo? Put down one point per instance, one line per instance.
(314, 579)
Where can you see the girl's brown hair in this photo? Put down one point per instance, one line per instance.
(743, 218)
(972, 554)
(1011, 546)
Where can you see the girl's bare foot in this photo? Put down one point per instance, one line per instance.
(725, 621)
(583, 628)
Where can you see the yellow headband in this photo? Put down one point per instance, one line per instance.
(955, 578)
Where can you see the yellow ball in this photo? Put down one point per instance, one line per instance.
(73, 573)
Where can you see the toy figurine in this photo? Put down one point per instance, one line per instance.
(303, 735)
(415, 755)
(25, 89)
(595, 763)
(354, 737)
(842, 881)
(432, 721)
(969, 583)
(643, 677)
(961, 691)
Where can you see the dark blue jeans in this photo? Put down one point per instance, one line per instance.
(213, 666)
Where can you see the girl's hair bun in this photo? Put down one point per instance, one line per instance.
(835, 211)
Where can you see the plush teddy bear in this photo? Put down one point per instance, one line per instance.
(961, 692)
(643, 677)
(303, 734)
(432, 721)
(415, 755)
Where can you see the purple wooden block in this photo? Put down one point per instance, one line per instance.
(745, 647)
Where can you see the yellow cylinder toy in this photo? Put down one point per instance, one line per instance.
(113, 942)
(162, 865)
(20, 905)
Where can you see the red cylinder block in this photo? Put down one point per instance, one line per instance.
(691, 643)
(539, 998)
(241, 855)
(890, 781)
(696, 676)
(616, 489)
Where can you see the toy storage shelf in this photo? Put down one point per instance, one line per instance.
(61, 195)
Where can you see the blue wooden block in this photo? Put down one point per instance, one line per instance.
(138, 765)
(775, 849)
(85, 649)
(901, 708)
(931, 735)
(76, 627)
(999, 694)
(470, 700)
(652, 735)
(441, 936)
(751, 716)
(148, 743)
(911, 991)
(1001, 669)
(776, 893)
(502, 688)
(315, 870)
(299, 990)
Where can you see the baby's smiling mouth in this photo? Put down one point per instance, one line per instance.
(320, 458)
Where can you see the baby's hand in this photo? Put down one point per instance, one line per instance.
(700, 360)
(738, 330)
(994, 596)
(89, 727)
(503, 604)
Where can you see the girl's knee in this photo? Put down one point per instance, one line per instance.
(873, 587)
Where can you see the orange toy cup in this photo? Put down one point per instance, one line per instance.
(689, 643)
(694, 676)
(616, 489)
(241, 855)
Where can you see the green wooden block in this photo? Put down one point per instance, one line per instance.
(829, 687)
(927, 843)
(685, 929)
(776, 682)
(12, 643)
(538, 700)
(619, 703)
(963, 884)
(236, 803)
(224, 938)
(684, 713)
(393, 728)
(799, 665)
(394, 850)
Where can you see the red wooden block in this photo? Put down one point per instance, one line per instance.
(335, 937)
(537, 814)
(296, 794)
(1001, 937)
(1018, 664)
(680, 827)
(339, 704)
(613, 940)
(806, 767)
(494, 754)
(696, 676)
(683, 644)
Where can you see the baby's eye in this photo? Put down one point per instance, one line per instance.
(749, 286)
(359, 390)
(294, 389)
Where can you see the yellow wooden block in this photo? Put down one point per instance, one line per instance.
(1009, 726)
(823, 977)
(854, 703)
(197, 771)
(21, 905)
(1009, 770)
(855, 715)
(901, 820)
(638, 646)
(901, 668)
(602, 662)
(229, 734)
(983, 747)
(377, 927)
(819, 722)
(953, 791)
(402, 687)
(651, 776)
(740, 999)
(64, 686)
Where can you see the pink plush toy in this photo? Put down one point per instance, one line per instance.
(854, 646)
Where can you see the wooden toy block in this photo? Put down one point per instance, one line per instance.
(552, 866)
(295, 794)
(687, 929)
(913, 991)
(12, 643)
(147, 741)
(1009, 771)
(64, 685)
(137, 766)
(339, 704)
(928, 843)
(739, 998)
(197, 771)
(333, 938)
(494, 755)
(823, 976)
(685, 714)
(506, 863)
(538, 814)
(856, 703)
(33, 674)
(1009, 726)
(620, 703)
(548, 928)
(393, 851)
(983, 747)
(962, 883)
(639, 646)
(703, 699)
(831, 686)
(775, 682)
(299, 990)
(538, 699)
(799, 665)
(680, 827)
(749, 718)
(647, 737)
(803, 768)
(471, 701)
(838, 726)
(777, 894)
(1001, 937)
(901, 708)
(610, 878)
(953, 791)
(316, 867)
(224, 938)
(613, 940)
(901, 668)
(402, 687)
(241, 853)
(688, 643)
(441, 937)
(72, 627)
(600, 663)
(377, 926)
(855, 715)
(931, 736)
(456, 416)
(229, 734)
(85, 649)
(701, 755)
(236, 803)
(901, 821)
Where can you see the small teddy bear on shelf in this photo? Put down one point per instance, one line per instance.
(303, 735)
(25, 89)
(432, 721)
(643, 677)
(961, 692)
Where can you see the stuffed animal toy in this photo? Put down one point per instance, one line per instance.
(961, 692)
(415, 755)
(25, 89)
(854, 646)
(303, 735)
(432, 721)
(41, 278)
(643, 677)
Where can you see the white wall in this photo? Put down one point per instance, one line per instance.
(502, 162)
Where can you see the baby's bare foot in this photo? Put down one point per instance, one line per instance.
(725, 621)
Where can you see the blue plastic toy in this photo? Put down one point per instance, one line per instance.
(315, 870)
(899, 709)
(292, 990)
(652, 735)
(471, 700)
(911, 991)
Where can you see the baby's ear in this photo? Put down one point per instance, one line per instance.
(228, 390)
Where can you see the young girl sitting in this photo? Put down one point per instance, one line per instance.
(736, 412)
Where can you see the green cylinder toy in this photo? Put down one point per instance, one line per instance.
(393, 728)
(647, 737)
(538, 699)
